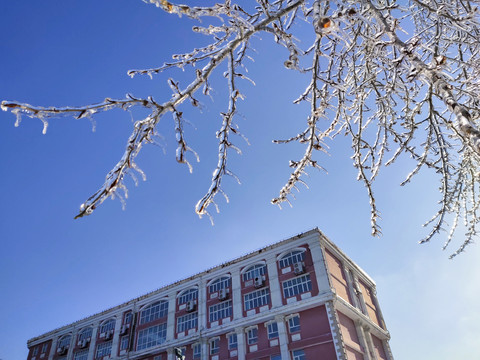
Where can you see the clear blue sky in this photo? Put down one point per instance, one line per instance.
(55, 270)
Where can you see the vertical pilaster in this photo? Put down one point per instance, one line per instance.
(73, 339)
(275, 291)
(237, 294)
(241, 347)
(116, 335)
(282, 337)
(202, 305)
(363, 340)
(93, 342)
(320, 266)
(205, 354)
(170, 354)
(172, 302)
(371, 348)
(53, 349)
(351, 286)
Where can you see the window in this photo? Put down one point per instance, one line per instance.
(187, 322)
(187, 296)
(232, 341)
(272, 330)
(153, 312)
(85, 334)
(256, 298)
(152, 336)
(291, 258)
(103, 349)
(252, 336)
(297, 286)
(124, 342)
(276, 357)
(197, 351)
(298, 355)
(220, 311)
(219, 284)
(81, 355)
(254, 271)
(108, 325)
(44, 348)
(129, 316)
(294, 324)
(214, 346)
(65, 341)
(35, 351)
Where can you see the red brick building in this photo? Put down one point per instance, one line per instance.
(301, 298)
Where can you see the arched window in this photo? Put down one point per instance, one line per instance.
(153, 312)
(188, 295)
(254, 271)
(219, 284)
(85, 334)
(64, 342)
(295, 256)
(107, 326)
(129, 317)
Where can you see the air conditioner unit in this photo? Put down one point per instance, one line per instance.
(223, 294)
(62, 350)
(299, 268)
(83, 343)
(259, 282)
(190, 306)
(123, 329)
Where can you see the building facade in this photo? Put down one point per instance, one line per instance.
(301, 298)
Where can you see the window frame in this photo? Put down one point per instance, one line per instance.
(153, 311)
(292, 257)
(214, 345)
(298, 354)
(104, 349)
(187, 295)
(256, 298)
(197, 350)
(160, 333)
(252, 335)
(223, 282)
(107, 325)
(189, 318)
(232, 345)
(272, 334)
(254, 271)
(296, 286)
(220, 311)
(291, 324)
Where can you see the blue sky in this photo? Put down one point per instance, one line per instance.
(55, 270)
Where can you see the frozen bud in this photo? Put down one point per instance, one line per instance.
(289, 64)
(440, 60)
(324, 23)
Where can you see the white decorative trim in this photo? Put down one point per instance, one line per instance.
(286, 270)
(292, 299)
(253, 348)
(279, 256)
(248, 266)
(264, 308)
(296, 337)
(306, 295)
(273, 342)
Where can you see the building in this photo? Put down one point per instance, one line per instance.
(301, 298)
